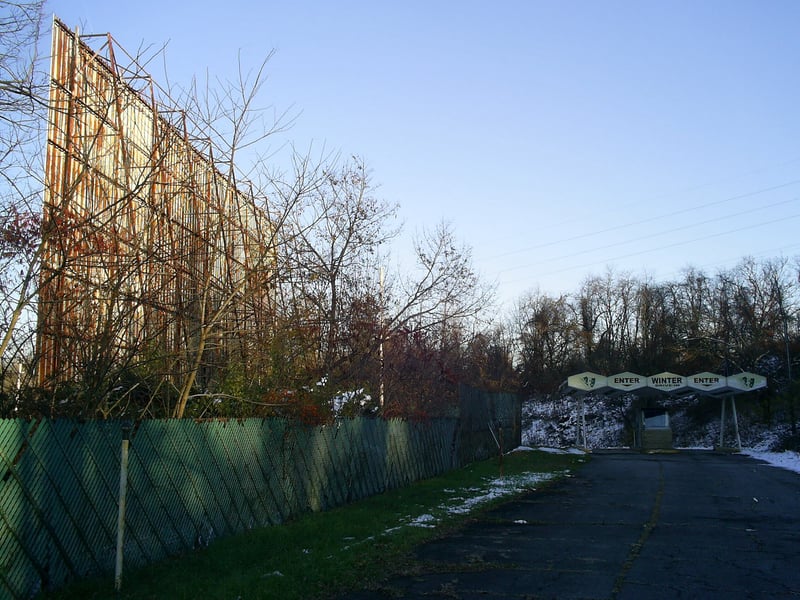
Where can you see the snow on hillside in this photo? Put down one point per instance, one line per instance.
(553, 422)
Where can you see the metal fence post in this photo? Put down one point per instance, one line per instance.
(123, 491)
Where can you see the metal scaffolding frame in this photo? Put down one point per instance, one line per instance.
(142, 232)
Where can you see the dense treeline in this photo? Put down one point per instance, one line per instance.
(733, 320)
(741, 319)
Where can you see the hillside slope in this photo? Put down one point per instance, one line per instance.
(695, 421)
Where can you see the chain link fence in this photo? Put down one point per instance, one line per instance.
(190, 482)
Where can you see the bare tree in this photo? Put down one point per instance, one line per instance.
(23, 102)
(21, 83)
(657, 328)
(333, 252)
(603, 316)
(440, 302)
(238, 273)
(444, 289)
(548, 337)
(489, 360)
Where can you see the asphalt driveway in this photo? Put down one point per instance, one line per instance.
(694, 524)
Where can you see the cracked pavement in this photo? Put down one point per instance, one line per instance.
(691, 524)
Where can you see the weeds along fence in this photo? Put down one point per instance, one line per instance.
(191, 482)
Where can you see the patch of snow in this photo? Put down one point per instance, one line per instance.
(471, 498)
(561, 450)
(425, 520)
(356, 397)
(784, 460)
(498, 488)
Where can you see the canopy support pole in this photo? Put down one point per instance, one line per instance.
(582, 426)
(736, 424)
(732, 399)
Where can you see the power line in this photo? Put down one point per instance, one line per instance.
(647, 220)
(666, 195)
(653, 234)
(664, 247)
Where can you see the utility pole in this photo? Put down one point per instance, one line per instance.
(380, 341)
(785, 320)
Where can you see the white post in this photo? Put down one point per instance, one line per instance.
(123, 492)
(582, 426)
(722, 426)
(736, 424)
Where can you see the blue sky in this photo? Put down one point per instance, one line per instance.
(559, 138)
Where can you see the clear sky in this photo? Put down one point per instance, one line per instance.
(559, 138)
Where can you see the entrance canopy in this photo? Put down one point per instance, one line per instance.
(666, 383)
(707, 384)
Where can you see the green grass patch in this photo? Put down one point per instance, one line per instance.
(321, 554)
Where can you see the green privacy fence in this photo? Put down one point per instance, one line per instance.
(188, 483)
(487, 421)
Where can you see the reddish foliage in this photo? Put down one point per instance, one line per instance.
(310, 414)
(19, 231)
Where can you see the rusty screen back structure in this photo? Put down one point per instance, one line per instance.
(146, 240)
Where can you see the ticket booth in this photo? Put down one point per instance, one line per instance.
(655, 432)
